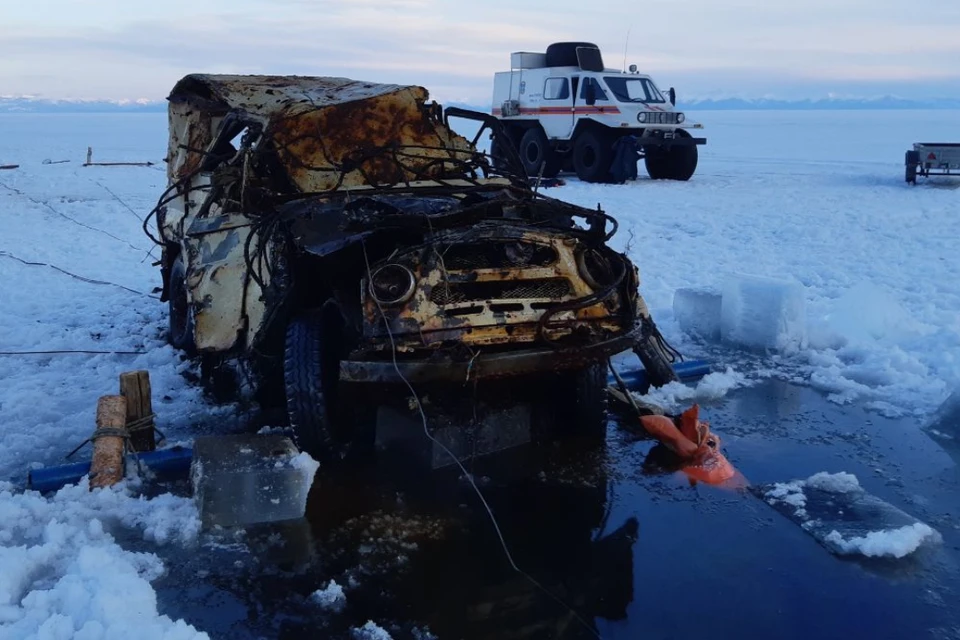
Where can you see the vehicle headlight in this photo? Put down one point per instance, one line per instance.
(642, 116)
(681, 118)
(392, 284)
(595, 269)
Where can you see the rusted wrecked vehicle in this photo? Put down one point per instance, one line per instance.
(347, 247)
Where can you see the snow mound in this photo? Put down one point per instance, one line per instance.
(63, 575)
(894, 543)
(370, 631)
(713, 386)
(834, 509)
(331, 597)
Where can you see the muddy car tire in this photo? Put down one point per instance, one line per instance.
(311, 369)
(180, 315)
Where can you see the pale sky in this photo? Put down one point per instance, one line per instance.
(129, 49)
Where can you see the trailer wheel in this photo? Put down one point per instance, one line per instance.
(592, 156)
(180, 314)
(535, 151)
(911, 159)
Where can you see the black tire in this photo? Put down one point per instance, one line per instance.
(911, 159)
(592, 156)
(180, 313)
(311, 370)
(564, 54)
(673, 163)
(657, 162)
(535, 150)
(684, 159)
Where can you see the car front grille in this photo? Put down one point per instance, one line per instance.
(549, 289)
(661, 117)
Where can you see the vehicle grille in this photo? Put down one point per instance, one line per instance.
(497, 255)
(661, 117)
(550, 289)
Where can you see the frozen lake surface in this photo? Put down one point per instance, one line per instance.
(815, 198)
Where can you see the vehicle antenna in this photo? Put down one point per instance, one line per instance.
(625, 43)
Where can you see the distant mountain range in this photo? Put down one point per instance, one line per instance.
(28, 104)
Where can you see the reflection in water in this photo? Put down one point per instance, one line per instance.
(424, 539)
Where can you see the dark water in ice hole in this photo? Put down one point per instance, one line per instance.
(634, 554)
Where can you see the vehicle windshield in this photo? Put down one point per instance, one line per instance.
(628, 89)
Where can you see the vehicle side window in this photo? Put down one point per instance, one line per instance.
(556, 89)
(598, 92)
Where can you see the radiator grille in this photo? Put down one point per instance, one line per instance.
(550, 289)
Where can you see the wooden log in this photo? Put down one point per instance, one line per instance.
(106, 469)
(135, 387)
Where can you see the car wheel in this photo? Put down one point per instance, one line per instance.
(311, 370)
(592, 156)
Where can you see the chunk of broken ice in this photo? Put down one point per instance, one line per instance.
(248, 479)
(944, 426)
(697, 311)
(847, 520)
(331, 597)
(763, 313)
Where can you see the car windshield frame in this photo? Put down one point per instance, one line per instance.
(618, 87)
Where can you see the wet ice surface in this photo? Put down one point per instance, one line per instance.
(629, 545)
(835, 510)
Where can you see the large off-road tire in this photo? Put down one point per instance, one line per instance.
(673, 163)
(564, 54)
(535, 151)
(180, 313)
(592, 156)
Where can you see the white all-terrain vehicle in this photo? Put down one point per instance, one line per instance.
(564, 110)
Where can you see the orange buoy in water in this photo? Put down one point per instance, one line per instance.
(693, 443)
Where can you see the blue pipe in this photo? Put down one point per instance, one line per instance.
(53, 478)
(690, 370)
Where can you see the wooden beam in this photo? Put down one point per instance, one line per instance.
(135, 387)
(106, 469)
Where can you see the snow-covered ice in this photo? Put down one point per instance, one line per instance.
(835, 509)
(816, 198)
(63, 573)
(331, 597)
(370, 631)
(676, 396)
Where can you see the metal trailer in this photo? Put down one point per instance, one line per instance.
(932, 159)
